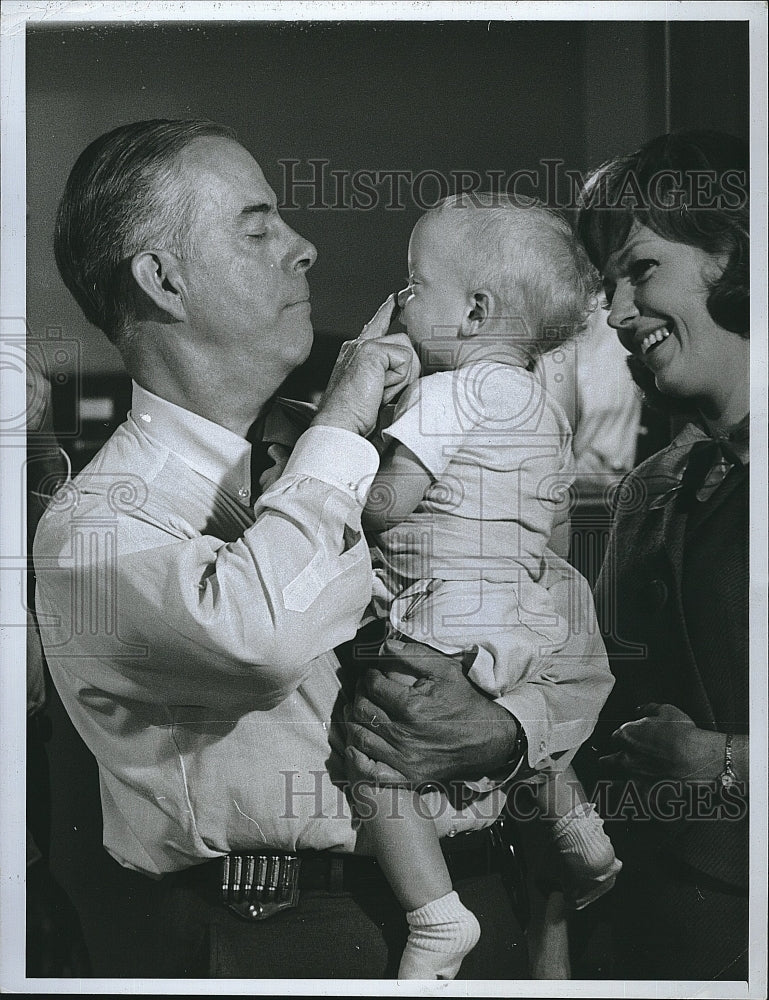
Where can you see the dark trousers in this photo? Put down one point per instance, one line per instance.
(663, 920)
(329, 935)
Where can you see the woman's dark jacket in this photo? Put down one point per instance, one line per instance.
(672, 602)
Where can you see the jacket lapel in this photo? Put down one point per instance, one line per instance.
(674, 524)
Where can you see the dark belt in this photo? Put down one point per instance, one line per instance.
(256, 885)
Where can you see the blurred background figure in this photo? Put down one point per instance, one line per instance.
(54, 938)
(589, 377)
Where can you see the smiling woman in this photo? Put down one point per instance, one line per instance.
(659, 293)
(668, 228)
(674, 733)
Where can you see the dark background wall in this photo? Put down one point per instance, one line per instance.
(438, 96)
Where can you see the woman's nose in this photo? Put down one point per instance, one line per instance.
(401, 297)
(623, 312)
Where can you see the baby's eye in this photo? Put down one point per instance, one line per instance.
(640, 270)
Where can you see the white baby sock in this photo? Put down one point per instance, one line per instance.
(587, 854)
(582, 841)
(441, 933)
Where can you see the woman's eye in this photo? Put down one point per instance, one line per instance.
(257, 236)
(640, 270)
(605, 299)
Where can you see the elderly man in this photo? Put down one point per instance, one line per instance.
(189, 616)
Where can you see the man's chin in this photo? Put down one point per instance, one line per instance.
(302, 346)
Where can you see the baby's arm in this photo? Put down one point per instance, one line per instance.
(398, 488)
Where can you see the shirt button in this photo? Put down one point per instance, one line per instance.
(452, 832)
(243, 493)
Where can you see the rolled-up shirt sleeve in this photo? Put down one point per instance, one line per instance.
(202, 621)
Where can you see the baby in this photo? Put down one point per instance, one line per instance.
(471, 494)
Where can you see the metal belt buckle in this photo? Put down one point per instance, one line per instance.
(257, 886)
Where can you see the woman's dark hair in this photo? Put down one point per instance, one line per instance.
(688, 187)
(125, 194)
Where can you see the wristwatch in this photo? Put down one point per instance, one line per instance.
(727, 777)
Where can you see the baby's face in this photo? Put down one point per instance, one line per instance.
(435, 301)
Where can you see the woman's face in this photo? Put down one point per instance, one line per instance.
(657, 294)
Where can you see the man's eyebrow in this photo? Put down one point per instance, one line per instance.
(263, 208)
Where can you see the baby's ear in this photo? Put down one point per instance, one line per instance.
(477, 315)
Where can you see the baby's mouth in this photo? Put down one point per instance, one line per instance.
(654, 339)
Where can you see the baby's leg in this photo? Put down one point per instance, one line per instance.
(559, 793)
(585, 851)
(441, 930)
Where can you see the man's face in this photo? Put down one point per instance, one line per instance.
(245, 287)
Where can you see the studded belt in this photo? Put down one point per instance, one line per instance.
(257, 885)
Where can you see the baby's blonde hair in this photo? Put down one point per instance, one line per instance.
(530, 258)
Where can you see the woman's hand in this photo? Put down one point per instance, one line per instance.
(665, 743)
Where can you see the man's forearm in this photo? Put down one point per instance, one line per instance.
(233, 620)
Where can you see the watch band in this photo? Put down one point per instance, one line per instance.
(517, 762)
(727, 777)
(519, 757)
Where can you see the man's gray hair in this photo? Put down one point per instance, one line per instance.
(125, 194)
(530, 258)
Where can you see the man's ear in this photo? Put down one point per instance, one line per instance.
(157, 274)
(479, 312)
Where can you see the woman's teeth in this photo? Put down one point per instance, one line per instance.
(656, 337)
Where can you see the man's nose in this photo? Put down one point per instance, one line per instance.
(302, 255)
(624, 312)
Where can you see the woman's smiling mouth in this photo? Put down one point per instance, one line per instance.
(651, 340)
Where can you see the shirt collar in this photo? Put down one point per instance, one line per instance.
(728, 449)
(735, 441)
(215, 452)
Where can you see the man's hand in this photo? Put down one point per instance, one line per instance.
(369, 372)
(441, 729)
(666, 743)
